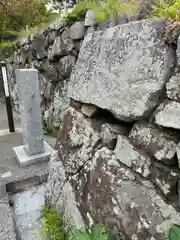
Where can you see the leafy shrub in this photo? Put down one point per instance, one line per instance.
(49, 128)
(54, 229)
(103, 10)
(174, 232)
(78, 13)
(96, 232)
(166, 10)
(115, 8)
(6, 45)
(7, 49)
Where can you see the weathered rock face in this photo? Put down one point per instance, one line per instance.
(133, 158)
(113, 186)
(53, 52)
(122, 172)
(85, 135)
(173, 88)
(168, 114)
(110, 192)
(123, 69)
(157, 143)
(110, 167)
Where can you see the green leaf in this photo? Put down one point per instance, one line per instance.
(174, 232)
(99, 232)
(81, 235)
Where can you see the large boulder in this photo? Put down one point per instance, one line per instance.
(168, 114)
(108, 192)
(132, 157)
(77, 31)
(108, 188)
(108, 185)
(156, 142)
(173, 88)
(123, 69)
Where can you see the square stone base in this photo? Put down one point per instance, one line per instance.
(25, 160)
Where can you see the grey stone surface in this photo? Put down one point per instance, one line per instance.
(65, 66)
(28, 82)
(166, 179)
(77, 31)
(10, 171)
(115, 187)
(58, 24)
(54, 66)
(132, 157)
(27, 212)
(173, 88)
(80, 130)
(12, 174)
(178, 154)
(57, 47)
(90, 18)
(106, 189)
(39, 45)
(178, 51)
(50, 37)
(24, 159)
(157, 143)
(109, 134)
(168, 114)
(89, 110)
(62, 45)
(59, 193)
(7, 230)
(90, 30)
(122, 69)
(3, 118)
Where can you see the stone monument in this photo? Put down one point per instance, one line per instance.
(35, 149)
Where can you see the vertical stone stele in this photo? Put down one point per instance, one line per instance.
(35, 149)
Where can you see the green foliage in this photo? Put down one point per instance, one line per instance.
(6, 45)
(96, 232)
(174, 232)
(49, 128)
(78, 13)
(6, 49)
(53, 227)
(103, 10)
(114, 8)
(165, 10)
(22, 14)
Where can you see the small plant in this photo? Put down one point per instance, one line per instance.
(54, 229)
(96, 232)
(103, 10)
(78, 13)
(167, 10)
(174, 232)
(53, 226)
(6, 45)
(114, 8)
(7, 49)
(49, 128)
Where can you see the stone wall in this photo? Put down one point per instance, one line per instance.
(118, 100)
(53, 52)
(119, 143)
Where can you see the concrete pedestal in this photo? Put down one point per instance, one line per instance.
(25, 160)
